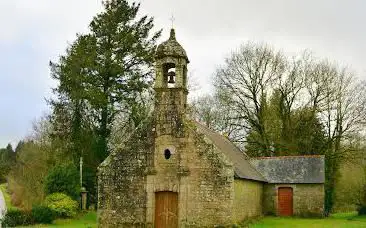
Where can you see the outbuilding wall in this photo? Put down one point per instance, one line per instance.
(248, 199)
(308, 199)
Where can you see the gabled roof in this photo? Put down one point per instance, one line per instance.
(291, 169)
(242, 167)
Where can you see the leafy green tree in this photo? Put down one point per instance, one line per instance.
(63, 179)
(26, 177)
(19, 146)
(7, 160)
(104, 74)
(308, 133)
(104, 71)
(304, 135)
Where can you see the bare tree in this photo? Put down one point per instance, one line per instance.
(209, 111)
(340, 101)
(290, 86)
(243, 84)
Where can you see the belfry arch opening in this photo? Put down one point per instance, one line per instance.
(170, 75)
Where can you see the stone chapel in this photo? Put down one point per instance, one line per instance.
(175, 172)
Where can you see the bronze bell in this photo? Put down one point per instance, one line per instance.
(171, 76)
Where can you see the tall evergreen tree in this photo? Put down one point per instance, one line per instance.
(105, 71)
(7, 160)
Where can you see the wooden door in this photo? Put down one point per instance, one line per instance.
(285, 201)
(166, 210)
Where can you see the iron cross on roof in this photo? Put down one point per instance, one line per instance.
(172, 19)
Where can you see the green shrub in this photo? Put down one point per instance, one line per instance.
(15, 217)
(65, 179)
(361, 210)
(43, 214)
(62, 205)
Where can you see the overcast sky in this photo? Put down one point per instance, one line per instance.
(34, 32)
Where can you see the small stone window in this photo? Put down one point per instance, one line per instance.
(167, 154)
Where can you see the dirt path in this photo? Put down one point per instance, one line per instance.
(2, 206)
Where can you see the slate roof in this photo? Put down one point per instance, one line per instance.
(291, 169)
(242, 167)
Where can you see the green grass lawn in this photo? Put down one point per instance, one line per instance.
(6, 196)
(337, 220)
(88, 220)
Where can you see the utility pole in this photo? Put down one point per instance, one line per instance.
(83, 190)
(81, 171)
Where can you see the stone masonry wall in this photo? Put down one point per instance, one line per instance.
(211, 185)
(199, 173)
(269, 199)
(248, 199)
(308, 199)
(122, 182)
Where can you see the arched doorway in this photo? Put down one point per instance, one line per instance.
(166, 210)
(285, 201)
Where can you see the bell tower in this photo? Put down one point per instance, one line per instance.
(170, 87)
(168, 178)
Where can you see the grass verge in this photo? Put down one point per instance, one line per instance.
(85, 220)
(339, 220)
(6, 196)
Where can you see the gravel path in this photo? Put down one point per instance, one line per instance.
(2, 206)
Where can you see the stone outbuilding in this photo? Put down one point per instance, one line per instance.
(175, 172)
(295, 185)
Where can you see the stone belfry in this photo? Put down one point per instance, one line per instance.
(170, 177)
(170, 87)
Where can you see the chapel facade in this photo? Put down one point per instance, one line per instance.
(175, 172)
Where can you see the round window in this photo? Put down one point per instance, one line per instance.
(167, 153)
